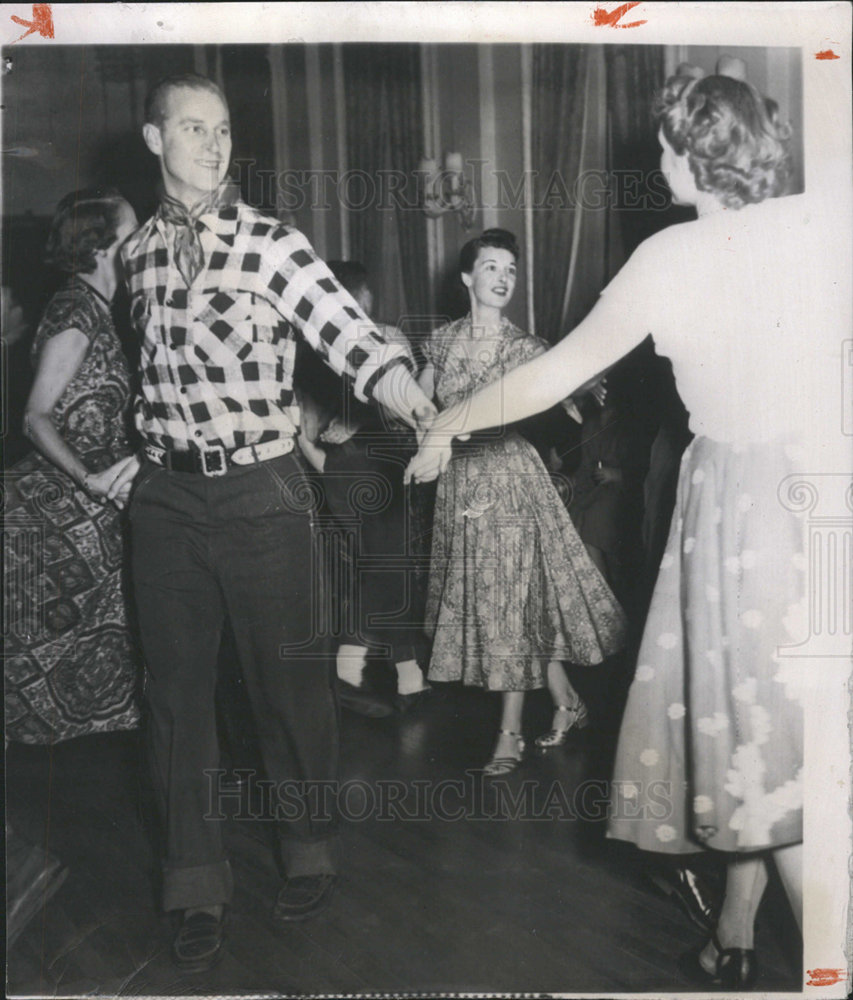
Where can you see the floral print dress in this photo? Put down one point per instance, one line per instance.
(511, 585)
(70, 665)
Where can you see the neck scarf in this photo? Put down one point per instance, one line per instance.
(189, 256)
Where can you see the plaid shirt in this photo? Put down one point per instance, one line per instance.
(217, 358)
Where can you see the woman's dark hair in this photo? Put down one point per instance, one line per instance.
(351, 274)
(502, 239)
(736, 147)
(84, 222)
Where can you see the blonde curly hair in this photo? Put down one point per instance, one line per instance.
(737, 148)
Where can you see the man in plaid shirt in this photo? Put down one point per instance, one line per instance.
(220, 510)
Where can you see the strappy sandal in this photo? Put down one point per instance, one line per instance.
(579, 719)
(498, 766)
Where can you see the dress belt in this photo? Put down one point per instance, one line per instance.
(217, 460)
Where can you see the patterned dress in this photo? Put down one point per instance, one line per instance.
(714, 696)
(710, 751)
(70, 666)
(511, 585)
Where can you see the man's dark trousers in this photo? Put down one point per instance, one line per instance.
(239, 545)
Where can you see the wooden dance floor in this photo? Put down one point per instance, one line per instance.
(435, 896)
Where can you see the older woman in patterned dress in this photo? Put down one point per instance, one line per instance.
(70, 661)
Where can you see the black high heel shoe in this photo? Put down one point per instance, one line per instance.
(736, 968)
(691, 891)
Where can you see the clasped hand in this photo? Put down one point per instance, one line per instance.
(115, 482)
(431, 460)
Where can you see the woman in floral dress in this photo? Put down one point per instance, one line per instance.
(512, 591)
(70, 667)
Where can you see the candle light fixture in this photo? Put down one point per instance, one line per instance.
(447, 189)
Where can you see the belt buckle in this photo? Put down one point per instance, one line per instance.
(213, 461)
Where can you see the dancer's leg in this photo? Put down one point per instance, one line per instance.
(508, 746)
(564, 697)
(746, 880)
(789, 864)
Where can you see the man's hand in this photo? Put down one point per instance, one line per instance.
(606, 474)
(598, 391)
(571, 407)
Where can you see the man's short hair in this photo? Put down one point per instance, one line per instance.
(158, 96)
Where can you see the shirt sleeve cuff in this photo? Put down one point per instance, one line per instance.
(364, 388)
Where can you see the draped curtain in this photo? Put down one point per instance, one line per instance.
(635, 74)
(385, 134)
(557, 125)
(591, 118)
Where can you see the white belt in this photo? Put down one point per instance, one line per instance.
(215, 461)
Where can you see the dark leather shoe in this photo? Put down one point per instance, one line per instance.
(362, 702)
(736, 969)
(692, 893)
(406, 702)
(199, 943)
(304, 897)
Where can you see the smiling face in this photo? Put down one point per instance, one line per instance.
(193, 143)
(492, 278)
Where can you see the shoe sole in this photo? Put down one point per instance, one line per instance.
(194, 968)
(294, 918)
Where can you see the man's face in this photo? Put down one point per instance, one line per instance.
(193, 143)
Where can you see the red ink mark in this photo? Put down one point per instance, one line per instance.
(824, 977)
(826, 54)
(603, 18)
(42, 22)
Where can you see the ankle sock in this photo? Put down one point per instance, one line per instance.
(350, 663)
(410, 679)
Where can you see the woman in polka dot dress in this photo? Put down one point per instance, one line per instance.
(710, 753)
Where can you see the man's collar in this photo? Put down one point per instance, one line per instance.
(218, 212)
(225, 194)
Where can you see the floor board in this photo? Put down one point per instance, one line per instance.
(486, 902)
